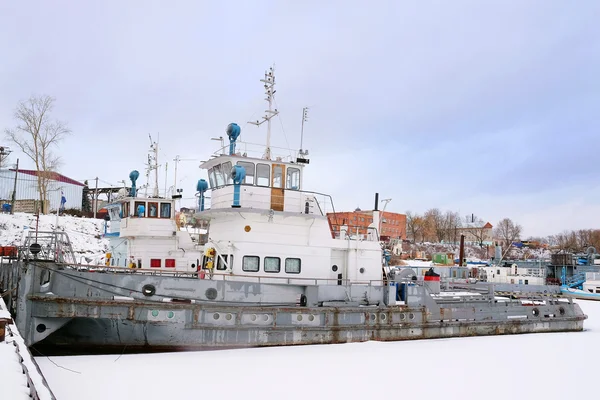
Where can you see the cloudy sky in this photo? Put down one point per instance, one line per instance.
(484, 107)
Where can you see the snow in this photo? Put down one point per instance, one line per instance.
(506, 367)
(13, 382)
(84, 233)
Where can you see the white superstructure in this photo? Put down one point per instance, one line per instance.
(263, 223)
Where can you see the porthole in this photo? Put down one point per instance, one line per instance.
(383, 317)
(41, 328)
(211, 293)
(311, 318)
(334, 268)
(155, 313)
(535, 312)
(362, 270)
(253, 317)
(561, 311)
(411, 316)
(299, 317)
(171, 314)
(373, 317)
(216, 315)
(265, 317)
(228, 317)
(402, 317)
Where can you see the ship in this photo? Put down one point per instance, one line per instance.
(268, 269)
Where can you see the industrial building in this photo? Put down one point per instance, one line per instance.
(60, 189)
(393, 225)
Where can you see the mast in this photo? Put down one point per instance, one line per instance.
(153, 165)
(304, 118)
(269, 84)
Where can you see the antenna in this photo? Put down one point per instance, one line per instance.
(153, 165)
(304, 118)
(269, 84)
(303, 153)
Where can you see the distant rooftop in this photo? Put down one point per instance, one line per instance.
(55, 176)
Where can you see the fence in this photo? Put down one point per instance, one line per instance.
(27, 194)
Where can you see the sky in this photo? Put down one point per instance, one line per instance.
(485, 108)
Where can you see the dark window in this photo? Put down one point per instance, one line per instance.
(153, 210)
(165, 210)
(251, 263)
(272, 264)
(140, 209)
(221, 264)
(292, 265)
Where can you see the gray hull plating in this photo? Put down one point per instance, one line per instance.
(62, 305)
(198, 327)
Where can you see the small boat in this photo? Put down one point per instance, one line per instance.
(582, 286)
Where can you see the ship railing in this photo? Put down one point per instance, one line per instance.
(257, 150)
(319, 203)
(217, 276)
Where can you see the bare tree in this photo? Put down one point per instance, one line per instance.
(435, 222)
(475, 227)
(452, 222)
(414, 225)
(507, 231)
(35, 135)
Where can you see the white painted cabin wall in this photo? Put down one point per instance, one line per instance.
(302, 236)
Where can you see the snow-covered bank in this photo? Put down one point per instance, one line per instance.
(84, 233)
(495, 367)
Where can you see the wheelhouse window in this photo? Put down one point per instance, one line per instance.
(140, 208)
(228, 259)
(292, 265)
(125, 209)
(249, 167)
(219, 177)
(293, 179)
(153, 210)
(272, 264)
(114, 213)
(250, 263)
(165, 210)
(263, 175)
(277, 176)
(226, 169)
(211, 177)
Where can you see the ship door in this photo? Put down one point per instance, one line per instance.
(277, 175)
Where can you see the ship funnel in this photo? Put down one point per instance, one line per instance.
(233, 131)
(133, 175)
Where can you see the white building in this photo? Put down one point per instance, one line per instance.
(515, 274)
(27, 188)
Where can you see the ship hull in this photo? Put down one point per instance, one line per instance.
(117, 326)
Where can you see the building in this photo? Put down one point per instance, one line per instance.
(477, 234)
(27, 193)
(393, 225)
